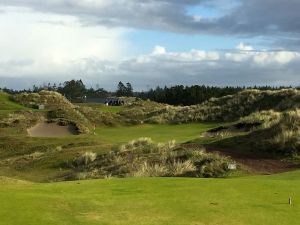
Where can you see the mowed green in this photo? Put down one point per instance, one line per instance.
(102, 107)
(160, 133)
(151, 201)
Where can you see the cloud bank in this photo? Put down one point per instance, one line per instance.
(242, 66)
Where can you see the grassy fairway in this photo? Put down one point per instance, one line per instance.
(251, 200)
(103, 107)
(180, 133)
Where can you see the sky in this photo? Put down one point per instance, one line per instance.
(150, 42)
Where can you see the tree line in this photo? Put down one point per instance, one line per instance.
(76, 91)
(195, 94)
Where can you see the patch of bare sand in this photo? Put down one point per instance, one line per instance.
(51, 130)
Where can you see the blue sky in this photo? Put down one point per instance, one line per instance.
(149, 43)
(142, 41)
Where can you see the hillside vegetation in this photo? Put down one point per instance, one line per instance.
(278, 136)
(145, 158)
(224, 109)
(276, 133)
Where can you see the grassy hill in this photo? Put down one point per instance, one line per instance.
(7, 105)
(278, 136)
(239, 199)
(43, 159)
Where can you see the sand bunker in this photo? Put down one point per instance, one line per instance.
(51, 130)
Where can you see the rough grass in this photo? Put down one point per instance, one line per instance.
(144, 158)
(154, 201)
(41, 159)
(16, 148)
(277, 138)
(58, 108)
(226, 109)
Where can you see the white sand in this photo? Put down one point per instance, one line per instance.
(51, 130)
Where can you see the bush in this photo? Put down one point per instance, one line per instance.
(85, 159)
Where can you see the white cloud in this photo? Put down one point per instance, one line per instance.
(279, 58)
(244, 47)
(52, 43)
(162, 67)
(159, 50)
(193, 55)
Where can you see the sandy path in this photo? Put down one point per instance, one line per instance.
(51, 130)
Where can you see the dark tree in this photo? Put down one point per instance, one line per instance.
(121, 90)
(129, 90)
(73, 89)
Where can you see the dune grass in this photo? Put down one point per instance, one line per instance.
(162, 133)
(238, 201)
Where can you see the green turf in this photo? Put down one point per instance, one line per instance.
(103, 107)
(161, 133)
(238, 201)
(7, 104)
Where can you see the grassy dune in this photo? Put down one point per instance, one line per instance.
(238, 201)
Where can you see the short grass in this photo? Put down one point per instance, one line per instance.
(154, 201)
(7, 106)
(160, 133)
(103, 107)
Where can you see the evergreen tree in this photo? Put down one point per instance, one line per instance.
(129, 90)
(73, 89)
(121, 89)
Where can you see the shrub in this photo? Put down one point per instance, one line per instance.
(85, 159)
